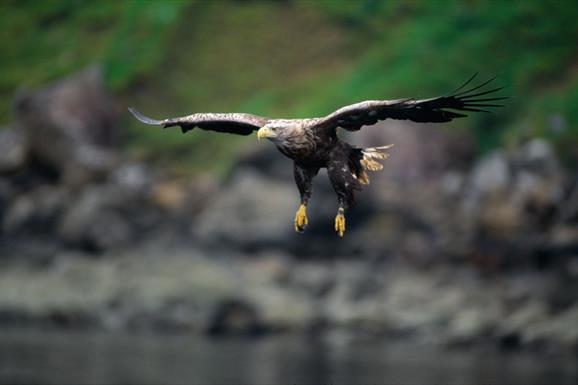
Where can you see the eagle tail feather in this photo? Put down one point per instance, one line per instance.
(367, 159)
(372, 155)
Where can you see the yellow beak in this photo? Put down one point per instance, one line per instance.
(265, 132)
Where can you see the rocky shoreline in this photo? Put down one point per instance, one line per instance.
(442, 248)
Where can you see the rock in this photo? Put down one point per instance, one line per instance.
(36, 210)
(169, 195)
(491, 174)
(247, 211)
(540, 177)
(469, 325)
(7, 192)
(70, 125)
(316, 279)
(113, 213)
(568, 210)
(267, 161)
(183, 196)
(424, 254)
(99, 219)
(538, 155)
(255, 207)
(559, 329)
(132, 177)
(13, 150)
(235, 317)
(518, 322)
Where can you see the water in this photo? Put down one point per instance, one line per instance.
(43, 357)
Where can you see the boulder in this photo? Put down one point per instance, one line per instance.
(13, 150)
(248, 211)
(36, 210)
(70, 125)
(235, 317)
(105, 216)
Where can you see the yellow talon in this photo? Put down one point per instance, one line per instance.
(340, 224)
(300, 219)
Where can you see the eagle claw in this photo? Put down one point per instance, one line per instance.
(340, 224)
(300, 219)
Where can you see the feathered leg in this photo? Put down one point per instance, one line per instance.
(344, 184)
(303, 177)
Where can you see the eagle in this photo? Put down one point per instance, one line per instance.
(313, 143)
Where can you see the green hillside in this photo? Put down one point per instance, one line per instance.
(299, 58)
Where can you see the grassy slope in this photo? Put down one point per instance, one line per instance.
(431, 47)
(257, 57)
(298, 59)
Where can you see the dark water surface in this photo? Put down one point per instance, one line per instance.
(49, 357)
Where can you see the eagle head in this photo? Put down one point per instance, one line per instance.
(276, 131)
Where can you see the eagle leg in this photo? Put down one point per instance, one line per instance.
(304, 179)
(340, 222)
(345, 184)
(301, 219)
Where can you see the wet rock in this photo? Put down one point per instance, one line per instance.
(559, 329)
(470, 325)
(235, 317)
(524, 318)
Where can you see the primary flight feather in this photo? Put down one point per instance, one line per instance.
(313, 143)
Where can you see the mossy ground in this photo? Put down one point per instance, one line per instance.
(297, 59)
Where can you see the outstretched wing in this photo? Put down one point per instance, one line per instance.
(234, 123)
(434, 110)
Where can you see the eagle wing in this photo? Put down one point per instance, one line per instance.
(434, 110)
(233, 123)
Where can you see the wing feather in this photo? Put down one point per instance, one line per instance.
(233, 123)
(434, 110)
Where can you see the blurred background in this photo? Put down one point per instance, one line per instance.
(130, 254)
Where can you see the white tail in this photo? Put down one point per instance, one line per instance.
(372, 155)
(369, 162)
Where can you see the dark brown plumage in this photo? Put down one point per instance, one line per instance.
(313, 143)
